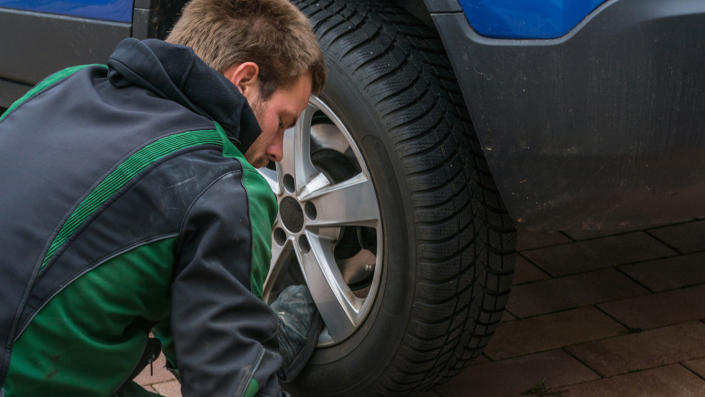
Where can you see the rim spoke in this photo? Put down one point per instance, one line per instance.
(329, 136)
(286, 165)
(351, 202)
(316, 183)
(338, 306)
(271, 177)
(276, 265)
(297, 148)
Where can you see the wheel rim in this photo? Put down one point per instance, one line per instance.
(328, 230)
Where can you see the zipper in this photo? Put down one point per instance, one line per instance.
(152, 347)
(246, 381)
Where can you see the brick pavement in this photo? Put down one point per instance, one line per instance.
(590, 316)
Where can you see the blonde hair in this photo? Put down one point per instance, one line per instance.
(274, 34)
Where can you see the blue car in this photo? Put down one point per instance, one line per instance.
(445, 126)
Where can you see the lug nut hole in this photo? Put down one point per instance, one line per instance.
(279, 236)
(310, 210)
(288, 182)
(303, 243)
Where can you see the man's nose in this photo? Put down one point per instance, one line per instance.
(275, 151)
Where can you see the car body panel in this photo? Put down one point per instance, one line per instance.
(107, 10)
(601, 129)
(533, 19)
(44, 43)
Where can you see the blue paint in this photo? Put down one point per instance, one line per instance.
(108, 10)
(526, 19)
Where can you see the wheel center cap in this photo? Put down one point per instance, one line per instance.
(291, 214)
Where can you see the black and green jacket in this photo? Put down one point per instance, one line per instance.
(127, 204)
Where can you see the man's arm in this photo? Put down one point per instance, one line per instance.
(224, 336)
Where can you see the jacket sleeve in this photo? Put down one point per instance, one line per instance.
(224, 336)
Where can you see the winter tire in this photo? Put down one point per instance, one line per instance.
(388, 211)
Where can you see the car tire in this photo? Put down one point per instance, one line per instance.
(448, 242)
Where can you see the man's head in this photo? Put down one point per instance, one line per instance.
(266, 48)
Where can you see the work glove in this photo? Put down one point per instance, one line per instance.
(300, 324)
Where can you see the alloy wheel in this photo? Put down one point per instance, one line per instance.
(328, 232)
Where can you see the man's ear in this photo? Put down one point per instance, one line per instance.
(244, 76)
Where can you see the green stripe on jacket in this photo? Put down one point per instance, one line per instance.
(123, 174)
(44, 84)
(262, 207)
(82, 343)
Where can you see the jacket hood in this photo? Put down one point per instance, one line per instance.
(175, 72)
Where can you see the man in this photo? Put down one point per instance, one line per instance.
(128, 205)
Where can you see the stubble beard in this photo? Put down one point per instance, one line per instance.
(258, 109)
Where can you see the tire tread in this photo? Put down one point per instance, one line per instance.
(466, 240)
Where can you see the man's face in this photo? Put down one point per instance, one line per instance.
(275, 115)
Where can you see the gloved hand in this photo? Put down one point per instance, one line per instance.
(300, 324)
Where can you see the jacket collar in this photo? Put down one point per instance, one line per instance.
(176, 73)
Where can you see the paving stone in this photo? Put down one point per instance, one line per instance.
(516, 338)
(686, 237)
(658, 310)
(506, 316)
(571, 291)
(502, 378)
(160, 373)
(670, 273)
(670, 381)
(591, 234)
(697, 366)
(643, 350)
(594, 254)
(481, 359)
(168, 389)
(525, 271)
(528, 240)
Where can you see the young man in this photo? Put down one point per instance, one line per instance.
(130, 203)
